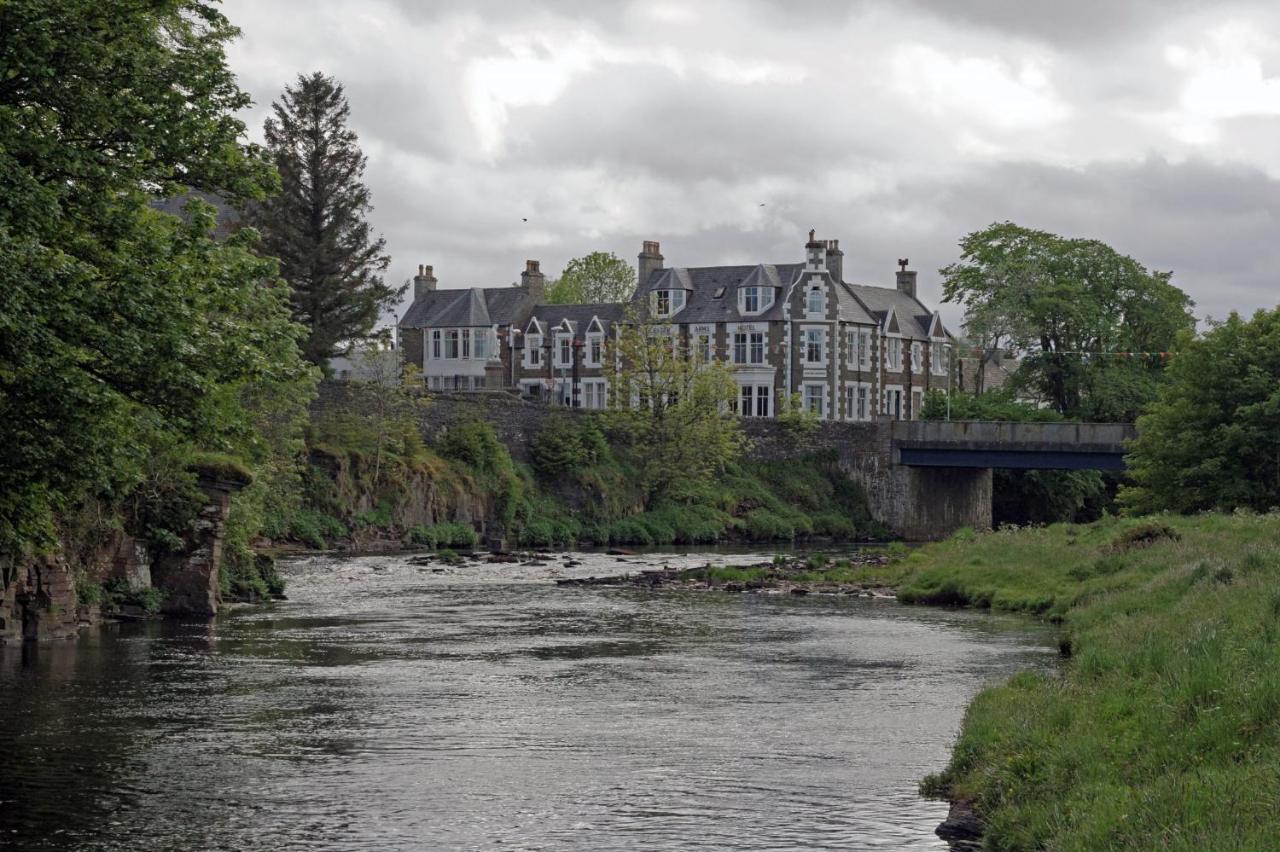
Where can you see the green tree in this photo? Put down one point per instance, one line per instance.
(598, 278)
(122, 329)
(1049, 297)
(674, 409)
(1212, 438)
(316, 225)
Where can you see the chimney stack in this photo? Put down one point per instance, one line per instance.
(815, 252)
(534, 281)
(650, 261)
(424, 282)
(906, 278)
(835, 260)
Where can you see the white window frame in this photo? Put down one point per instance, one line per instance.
(564, 350)
(809, 343)
(437, 345)
(763, 297)
(806, 400)
(917, 356)
(452, 344)
(887, 394)
(864, 349)
(809, 293)
(938, 357)
(533, 350)
(857, 401)
(893, 353)
(595, 349)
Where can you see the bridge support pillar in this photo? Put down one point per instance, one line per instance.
(932, 503)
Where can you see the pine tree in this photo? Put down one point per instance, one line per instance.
(316, 225)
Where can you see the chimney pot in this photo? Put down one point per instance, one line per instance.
(906, 278)
(531, 266)
(424, 282)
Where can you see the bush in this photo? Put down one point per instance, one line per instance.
(763, 525)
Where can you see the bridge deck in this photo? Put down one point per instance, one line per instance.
(981, 444)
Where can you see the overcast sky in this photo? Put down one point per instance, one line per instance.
(726, 130)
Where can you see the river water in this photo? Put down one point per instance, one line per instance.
(388, 706)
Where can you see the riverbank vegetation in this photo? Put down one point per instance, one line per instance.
(371, 476)
(1163, 728)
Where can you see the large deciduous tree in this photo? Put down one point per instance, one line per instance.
(316, 226)
(122, 329)
(597, 278)
(1212, 438)
(675, 408)
(1051, 298)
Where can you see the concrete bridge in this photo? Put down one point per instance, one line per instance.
(1023, 446)
(926, 479)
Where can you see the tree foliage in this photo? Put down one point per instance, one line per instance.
(1049, 297)
(597, 278)
(316, 225)
(674, 408)
(123, 329)
(1212, 438)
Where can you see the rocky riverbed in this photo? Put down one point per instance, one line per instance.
(782, 575)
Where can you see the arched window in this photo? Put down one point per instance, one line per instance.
(814, 303)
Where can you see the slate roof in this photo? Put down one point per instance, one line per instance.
(913, 318)
(474, 306)
(857, 303)
(702, 282)
(579, 316)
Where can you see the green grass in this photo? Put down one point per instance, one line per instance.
(1163, 731)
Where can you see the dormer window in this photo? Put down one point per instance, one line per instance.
(755, 299)
(813, 304)
(668, 302)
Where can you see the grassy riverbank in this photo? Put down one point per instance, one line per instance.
(1163, 730)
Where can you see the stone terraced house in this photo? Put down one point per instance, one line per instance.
(793, 330)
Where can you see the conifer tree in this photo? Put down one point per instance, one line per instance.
(316, 225)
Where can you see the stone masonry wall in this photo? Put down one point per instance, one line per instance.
(917, 503)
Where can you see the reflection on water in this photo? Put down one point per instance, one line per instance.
(389, 707)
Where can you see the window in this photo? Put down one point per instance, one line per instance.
(938, 355)
(466, 343)
(895, 353)
(434, 382)
(755, 299)
(813, 340)
(667, 302)
(480, 345)
(763, 394)
(813, 304)
(753, 400)
(917, 357)
(861, 407)
(435, 344)
(850, 346)
(595, 346)
(533, 349)
(451, 343)
(748, 347)
(477, 382)
(593, 394)
(815, 397)
(893, 403)
(704, 348)
(864, 349)
(563, 356)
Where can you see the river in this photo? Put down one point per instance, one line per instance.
(386, 706)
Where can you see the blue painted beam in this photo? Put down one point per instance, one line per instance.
(1011, 459)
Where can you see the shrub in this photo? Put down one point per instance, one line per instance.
(449, 534)
(1143, 535)
(764, 525)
